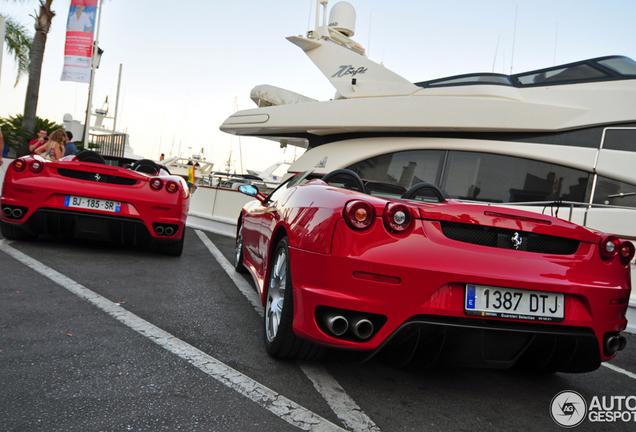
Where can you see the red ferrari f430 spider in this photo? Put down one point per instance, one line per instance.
(88, 196)
(373, 267)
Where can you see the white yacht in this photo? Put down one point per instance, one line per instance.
(559, 140)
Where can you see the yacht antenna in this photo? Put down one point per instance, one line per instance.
(239, 138)
(228, 164)
(309, 17)
(496, 52)
(514, 35)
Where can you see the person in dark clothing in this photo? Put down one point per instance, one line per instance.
(69, 147)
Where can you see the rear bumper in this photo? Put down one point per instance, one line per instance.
(137, 221)
(422, 291)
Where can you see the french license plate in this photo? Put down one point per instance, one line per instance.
(511, 303)
(92, 203)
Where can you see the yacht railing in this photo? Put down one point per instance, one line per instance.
(108, 145)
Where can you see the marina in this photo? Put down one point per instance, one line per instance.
(99, 336)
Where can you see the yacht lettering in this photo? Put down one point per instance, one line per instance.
(349, 70)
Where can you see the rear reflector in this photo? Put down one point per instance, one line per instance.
(377, 277)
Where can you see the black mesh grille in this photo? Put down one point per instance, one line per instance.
(99, 178)
(509, 239)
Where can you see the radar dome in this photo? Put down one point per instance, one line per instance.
(343, 18)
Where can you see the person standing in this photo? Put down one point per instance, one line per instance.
(54, 148)
(38, 142)
(69, 147)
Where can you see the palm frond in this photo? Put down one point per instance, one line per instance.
(19, 42)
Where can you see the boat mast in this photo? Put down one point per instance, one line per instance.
(94, 57)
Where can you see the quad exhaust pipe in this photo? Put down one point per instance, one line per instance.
(337, 324)
(363, 328)
(615, 343)
(13, 212)
(165, 230)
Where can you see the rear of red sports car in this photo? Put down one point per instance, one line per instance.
(453, 283)
(74, 198)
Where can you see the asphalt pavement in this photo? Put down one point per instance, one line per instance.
(94, 337)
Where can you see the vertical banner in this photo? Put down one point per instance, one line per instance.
(79, 41)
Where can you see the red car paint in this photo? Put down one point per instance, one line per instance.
(418, 277)
(42, 193)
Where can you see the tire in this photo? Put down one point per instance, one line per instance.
(280, 340)
(12, 232)
(238, 251)
(173, 249)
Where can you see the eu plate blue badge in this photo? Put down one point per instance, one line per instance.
(67, 200)
(470, 296)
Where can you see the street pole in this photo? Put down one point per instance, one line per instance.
(117, 100)
(2, 30)
(94, 56)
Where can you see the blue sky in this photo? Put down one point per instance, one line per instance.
(184, 63)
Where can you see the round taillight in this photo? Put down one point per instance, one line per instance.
(626, 252)
(609, 247)
(156, 184)
(397, 217)
(359, 214)
(172, 187)
(36, 166)
(19, 164)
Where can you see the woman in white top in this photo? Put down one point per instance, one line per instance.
(54, 149)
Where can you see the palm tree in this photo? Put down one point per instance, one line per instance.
(42, 25)
(43, 21)
(18, 42)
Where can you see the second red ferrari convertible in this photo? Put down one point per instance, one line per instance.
(372, 267)
(95, 197)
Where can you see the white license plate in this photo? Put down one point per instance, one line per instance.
(511, 303)
(92, 203)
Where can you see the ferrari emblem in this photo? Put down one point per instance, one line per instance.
(516, 240)
(97, 177)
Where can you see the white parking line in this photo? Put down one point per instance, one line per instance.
(619, 370)
(341, 404)
(277, 404)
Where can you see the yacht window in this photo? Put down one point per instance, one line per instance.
(402, 168)
(472, 79)
(496, 178)
(620, 139)
(613, 192)
(622, 65)
(580, 73)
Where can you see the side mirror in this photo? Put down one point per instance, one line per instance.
(248, 190)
